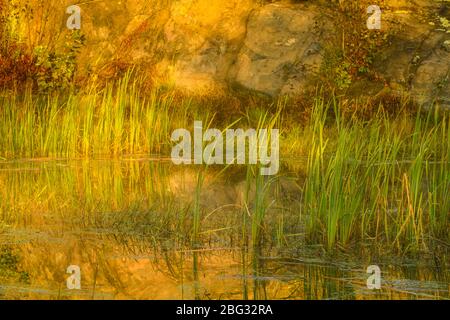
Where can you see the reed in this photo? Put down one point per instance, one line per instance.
(383, 181)
(112, 121)
(380, 180)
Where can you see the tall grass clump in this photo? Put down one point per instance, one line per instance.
(114, 120)
(380, 181)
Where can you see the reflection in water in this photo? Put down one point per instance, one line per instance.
(129, 226)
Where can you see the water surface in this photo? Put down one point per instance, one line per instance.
(128, 225)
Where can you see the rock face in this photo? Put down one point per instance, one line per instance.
(203, 40)
(417, 61)
(274, 48)
(281, 50)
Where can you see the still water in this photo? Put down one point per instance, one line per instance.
(129, 226)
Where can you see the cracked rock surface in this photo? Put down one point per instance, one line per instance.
(273, 48)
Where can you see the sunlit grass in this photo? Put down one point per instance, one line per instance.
(383, 182)
(113, 121)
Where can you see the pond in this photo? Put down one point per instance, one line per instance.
(141, 228)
